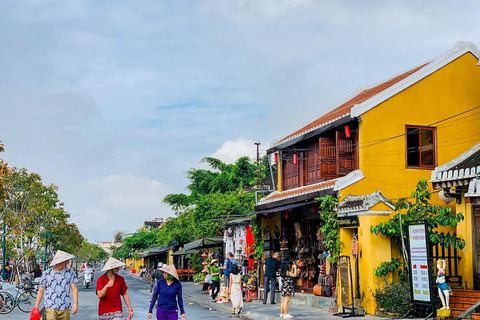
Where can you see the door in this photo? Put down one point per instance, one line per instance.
(476, 246)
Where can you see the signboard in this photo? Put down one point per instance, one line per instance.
(419, 252)
(344, 222)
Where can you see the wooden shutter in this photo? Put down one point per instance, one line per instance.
(345, 154)
(290, 173)
(328, 168)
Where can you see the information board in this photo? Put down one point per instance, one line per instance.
(419, 257)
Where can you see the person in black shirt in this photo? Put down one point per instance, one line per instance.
(270, 268)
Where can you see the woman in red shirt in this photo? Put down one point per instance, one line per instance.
(110, 286)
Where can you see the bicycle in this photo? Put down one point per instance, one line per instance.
(21, 300)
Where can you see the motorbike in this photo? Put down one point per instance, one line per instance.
(87, 278)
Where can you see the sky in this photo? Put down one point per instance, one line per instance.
(113, 101)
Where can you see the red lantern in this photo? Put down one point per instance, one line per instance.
(347, 131)
(275, 157)
(295, 158)
(204, 255)
(286, 214)
(314, 209)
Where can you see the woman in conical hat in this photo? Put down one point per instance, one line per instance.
(168, 295)
(110, 286)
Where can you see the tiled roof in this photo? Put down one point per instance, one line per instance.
(334, 185)
(354, 204)
(344, 109)
(460, 171)
(287, 194)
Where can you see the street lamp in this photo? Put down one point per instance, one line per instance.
(4, 249)
(46, 234)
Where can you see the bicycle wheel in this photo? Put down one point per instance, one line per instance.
(7, 302)
(33, 293)
(24, 303)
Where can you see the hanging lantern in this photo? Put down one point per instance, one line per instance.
(295, 158)
(314, 209)
(286, 214)
(275, 157)
(347, 131)
(204, 255)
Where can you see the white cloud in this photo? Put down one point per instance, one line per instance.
(231, 150)
(117, 202)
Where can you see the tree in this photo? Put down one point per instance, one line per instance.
(419, 209)
(91, 252)
(216, 195)
(33, 213)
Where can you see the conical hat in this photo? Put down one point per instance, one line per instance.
(171, 270)
(61, 256)
(112, 263)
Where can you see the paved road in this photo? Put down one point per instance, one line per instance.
(139, 293)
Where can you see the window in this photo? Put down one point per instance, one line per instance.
(420, 147)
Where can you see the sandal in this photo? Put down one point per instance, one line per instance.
(240, 310)
(233, 311)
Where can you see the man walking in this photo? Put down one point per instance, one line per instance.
(270, 268)
(227, 269)
(56, 284)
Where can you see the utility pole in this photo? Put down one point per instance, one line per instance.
(258, 165)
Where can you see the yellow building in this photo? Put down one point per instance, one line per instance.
(370, 149)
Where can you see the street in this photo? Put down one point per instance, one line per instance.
(139, 293)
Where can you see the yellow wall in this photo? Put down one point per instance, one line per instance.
(136, 263)
(449, 91)
(465, 231)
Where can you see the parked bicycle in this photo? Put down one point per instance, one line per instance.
(23, 300)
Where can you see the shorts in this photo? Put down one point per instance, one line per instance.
(52, 314)
(226, 281)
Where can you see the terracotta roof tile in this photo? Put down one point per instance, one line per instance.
(298, 191)
(344, 109)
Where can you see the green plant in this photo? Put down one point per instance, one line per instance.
(195, 263)
(387, 267)
(257, 231)
(394, 297)
(330, 229)
(420, 209)
(198, 277)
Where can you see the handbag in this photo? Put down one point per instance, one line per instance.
(317, 290)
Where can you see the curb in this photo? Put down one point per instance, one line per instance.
(227, 307)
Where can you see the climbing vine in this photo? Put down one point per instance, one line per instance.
(257, 232)
(330, 229)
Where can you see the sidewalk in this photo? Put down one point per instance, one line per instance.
(257, 309)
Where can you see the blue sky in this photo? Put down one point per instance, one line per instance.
(114, 100)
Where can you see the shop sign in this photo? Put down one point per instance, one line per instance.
(344, 222)
(418, 247)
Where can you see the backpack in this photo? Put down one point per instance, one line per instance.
(235, 269)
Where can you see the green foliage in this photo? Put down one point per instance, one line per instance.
(91, 252)
(387, 267)
(257, 232)
(330, 229)
(394, 297)
(421, 209)
(33, 213)
(198, 277)
(144, 238)
(215, 196)
(195, 263)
